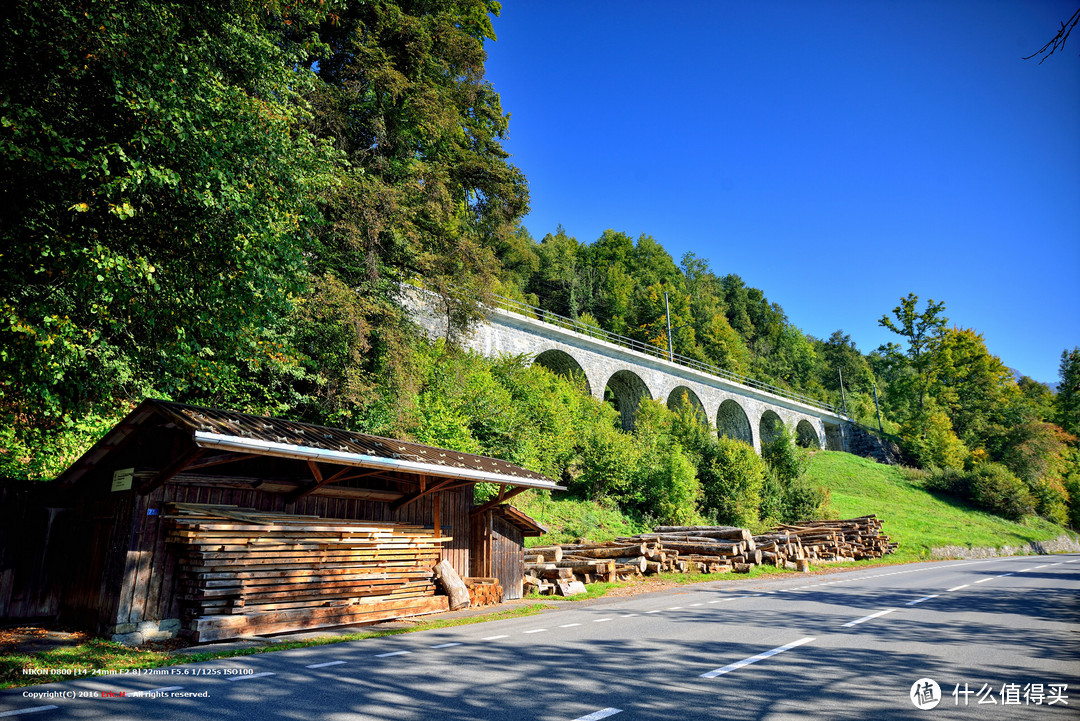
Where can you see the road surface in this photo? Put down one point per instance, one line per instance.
(1000, 638)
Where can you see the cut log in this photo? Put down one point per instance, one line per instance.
(453, 585)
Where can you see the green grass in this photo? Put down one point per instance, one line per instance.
(914, 517)
(569, 519)
(98, 656)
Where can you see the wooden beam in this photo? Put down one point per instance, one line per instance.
(181, 462)
(218, 460)
(440, 486)
(498, 499)
(320, 481)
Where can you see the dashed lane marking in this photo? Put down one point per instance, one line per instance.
(754, 659)
(391, 653)
(447, 645)
(601, 714)
(492, 638)
(601, 620)
(535, 630)
(569, 625)
(984, 580)
(34, 709)
(920, 600)
(325, 664)
(258, 675)
(957, 588)
(864, 619)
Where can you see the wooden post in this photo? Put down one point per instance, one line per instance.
(436, 519)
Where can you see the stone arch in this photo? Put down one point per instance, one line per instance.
(624, 390)
(680, 395)
(731, 421)
(806, 436)
(769, 427)
(562, 363)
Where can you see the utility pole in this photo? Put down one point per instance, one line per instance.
(667, 316)
(843, 398)
(878, 409)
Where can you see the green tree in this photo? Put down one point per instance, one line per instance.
(157, 187)
(1067, 400)
(920, 330)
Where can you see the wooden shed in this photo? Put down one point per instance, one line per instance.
(214, 524)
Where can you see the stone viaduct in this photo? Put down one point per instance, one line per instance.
(624, 371)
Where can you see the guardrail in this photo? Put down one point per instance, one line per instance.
(546, 316)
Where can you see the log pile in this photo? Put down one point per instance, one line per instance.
(484, 591)
(243, 572)
(706, 549)
(837, 541)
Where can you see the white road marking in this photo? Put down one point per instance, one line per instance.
(535, 630)
(628, 615)
(864, 619)
(492, 638)
(674, 608)
(920, 600)
(391, 653)
(957, 588)
(35, 709)
(147, 692)
(984, 580)
(597, 715)
(324, 665)
(654, 611)
(696, 604)
(447, 645)
(754, 659)
(257, 675)
(1042, 566)
(1023, 570)
(601, 620)
(569, 625)
(1004, 575)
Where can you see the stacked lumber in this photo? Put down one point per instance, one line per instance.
(484, 591)
(707, 549)
(241, 571)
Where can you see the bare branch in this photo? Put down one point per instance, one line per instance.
(1058, 41)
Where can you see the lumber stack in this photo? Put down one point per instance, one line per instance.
(706, 549)
(484, 591)
(242, 572)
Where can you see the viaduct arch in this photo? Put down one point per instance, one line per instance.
(624, 376)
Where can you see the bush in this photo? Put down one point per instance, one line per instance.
(990, 486)
(732, 476)
(995, 488)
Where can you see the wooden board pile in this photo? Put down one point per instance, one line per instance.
(484, 591)
(705, 549)
(243, 572)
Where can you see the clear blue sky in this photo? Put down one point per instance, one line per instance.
(837, 155)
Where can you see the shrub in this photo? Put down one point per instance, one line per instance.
(732, 476)
(990, 486)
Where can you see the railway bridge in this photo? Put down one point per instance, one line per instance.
(624, 371)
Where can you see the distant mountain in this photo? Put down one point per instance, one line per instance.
(1017, 375)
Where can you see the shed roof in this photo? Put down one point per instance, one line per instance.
(231, 431)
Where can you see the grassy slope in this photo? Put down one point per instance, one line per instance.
(916, 518)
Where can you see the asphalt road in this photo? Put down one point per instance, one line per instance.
(1000, 637)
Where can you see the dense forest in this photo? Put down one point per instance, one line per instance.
(217, 204)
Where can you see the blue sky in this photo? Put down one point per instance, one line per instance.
(837, 155)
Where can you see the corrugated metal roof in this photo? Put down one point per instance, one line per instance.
(309, 435)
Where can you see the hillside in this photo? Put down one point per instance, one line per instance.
(917, 519)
